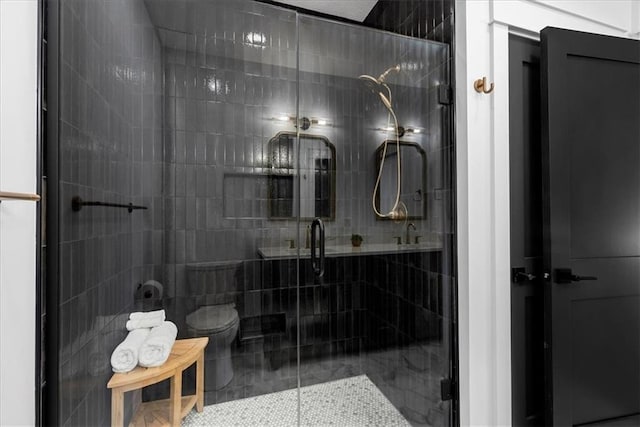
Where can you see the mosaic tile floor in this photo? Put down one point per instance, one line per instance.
(350, 402)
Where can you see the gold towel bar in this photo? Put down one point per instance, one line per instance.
(6, 195)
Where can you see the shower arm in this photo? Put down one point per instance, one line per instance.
(384, 75)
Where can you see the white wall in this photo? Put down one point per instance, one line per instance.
(482, 126)
(18, 84)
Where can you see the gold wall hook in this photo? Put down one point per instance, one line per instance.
(480, 86)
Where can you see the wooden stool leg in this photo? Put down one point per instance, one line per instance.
(176, 399)
(117, 408)
(200, 382)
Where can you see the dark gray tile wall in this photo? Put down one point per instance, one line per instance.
(111, 150)
(405, 299)
(220, 117)
(430, 19)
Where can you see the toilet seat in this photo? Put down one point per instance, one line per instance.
(211, 319)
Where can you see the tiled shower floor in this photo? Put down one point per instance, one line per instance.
(354, 401)
(409, 378)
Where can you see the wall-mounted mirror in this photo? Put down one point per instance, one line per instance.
(413, 166)
(317, 177)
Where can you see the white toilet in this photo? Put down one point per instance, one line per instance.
(220, 323)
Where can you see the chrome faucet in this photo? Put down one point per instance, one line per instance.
(410, 225)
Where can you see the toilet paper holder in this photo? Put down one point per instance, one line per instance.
(151, 289)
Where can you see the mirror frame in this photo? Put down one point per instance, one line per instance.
(423, 155)
(332, 168)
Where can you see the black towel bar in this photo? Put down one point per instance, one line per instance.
(77, 203)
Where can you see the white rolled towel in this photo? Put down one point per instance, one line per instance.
(157, 347)
(125, 356)
(150, 319)
(147, 314)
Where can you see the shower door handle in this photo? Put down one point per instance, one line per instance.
(317, 263)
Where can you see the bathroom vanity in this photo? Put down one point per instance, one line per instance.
(349, 250)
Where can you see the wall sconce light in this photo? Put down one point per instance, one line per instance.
(320, 122)
(256, 39)
(402, 131)
(304, 122)
(414, 130)
(391, 129)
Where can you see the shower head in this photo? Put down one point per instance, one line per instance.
(376, 86)
(373, 84)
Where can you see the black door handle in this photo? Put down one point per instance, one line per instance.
(317, 263)
(565, 275)
(519, 275)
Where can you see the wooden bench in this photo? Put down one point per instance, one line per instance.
(168, 411)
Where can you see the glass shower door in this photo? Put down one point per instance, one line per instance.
(236, 123)
(375, 328)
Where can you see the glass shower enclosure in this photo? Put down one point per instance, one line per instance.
(245, 131)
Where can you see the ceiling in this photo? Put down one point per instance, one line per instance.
(356, 10)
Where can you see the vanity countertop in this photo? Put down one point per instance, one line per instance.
(348, 250)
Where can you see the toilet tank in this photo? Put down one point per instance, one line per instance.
(214, 278)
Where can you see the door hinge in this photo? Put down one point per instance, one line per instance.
(445, 94)
(447, 389)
